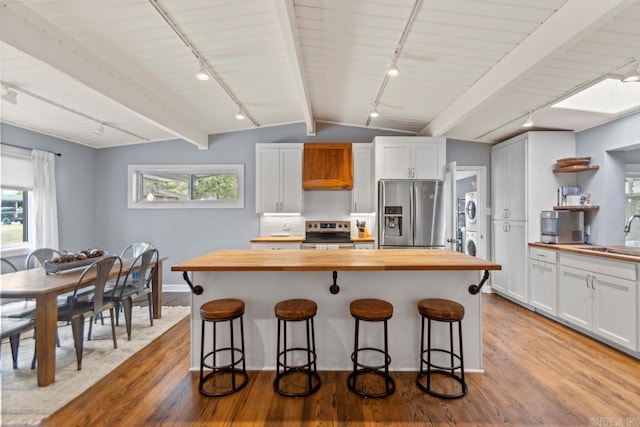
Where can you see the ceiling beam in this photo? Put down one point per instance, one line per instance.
(37, 38)
(287, 17)
(566, 26)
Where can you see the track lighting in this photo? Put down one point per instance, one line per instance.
(202, 73)
(374, 113)
(100, 129)
(393, 70)
(239, 114)
(528, 123)
(633, 75)
(9, 95)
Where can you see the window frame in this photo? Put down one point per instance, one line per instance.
(134, 185)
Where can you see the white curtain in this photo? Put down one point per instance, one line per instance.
(45, 207)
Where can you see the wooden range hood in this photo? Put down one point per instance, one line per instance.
(327, 166)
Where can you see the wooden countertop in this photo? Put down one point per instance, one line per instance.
(620, 253)
(299, 239)
(327, 260)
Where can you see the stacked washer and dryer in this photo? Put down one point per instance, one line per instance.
(471, 222)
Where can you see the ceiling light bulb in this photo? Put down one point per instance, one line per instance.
(374, 113)
(10, 95)
(239, 114)
(528, 123)
(393, 70)
(202, 73)
(99, 130)
(632, 76)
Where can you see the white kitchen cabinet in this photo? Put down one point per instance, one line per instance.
(522, 185)
(510, 251)
(275, 245)
(600, 296)
(406, 157)
(279, 178)
(543, 280)
(362, 194)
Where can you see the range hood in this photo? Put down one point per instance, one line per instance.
(327, 166)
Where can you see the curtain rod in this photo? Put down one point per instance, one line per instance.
(26, 148)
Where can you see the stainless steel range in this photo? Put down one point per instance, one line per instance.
(327, 235)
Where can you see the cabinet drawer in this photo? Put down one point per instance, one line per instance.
(543, 255)
(595, 264)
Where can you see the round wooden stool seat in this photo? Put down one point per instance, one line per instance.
(221, 309)
(441, 309)
(371, 309)
(295, 309)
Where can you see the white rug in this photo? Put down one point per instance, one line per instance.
(24, 403)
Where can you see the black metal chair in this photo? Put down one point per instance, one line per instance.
(12, 328)
(136, 284)
(76, 310)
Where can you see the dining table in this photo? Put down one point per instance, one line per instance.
(45, 288)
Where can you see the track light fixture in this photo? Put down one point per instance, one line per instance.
(202, 73)
(240, 115)
(100, 129)
(393, 70)
(633, 75)
(528, 123)
(374, 113)
(9, 95)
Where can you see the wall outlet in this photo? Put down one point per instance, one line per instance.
(286, 227)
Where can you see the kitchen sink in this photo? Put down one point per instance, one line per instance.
(619, 250)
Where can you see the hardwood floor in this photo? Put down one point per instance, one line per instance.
(537, 373)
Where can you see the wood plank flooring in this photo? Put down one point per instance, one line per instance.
(537, 373)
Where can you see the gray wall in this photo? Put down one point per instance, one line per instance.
(604, 144)
(92, 189)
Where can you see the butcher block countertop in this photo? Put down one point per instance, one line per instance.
(327, 260)
(299, 239)
(620, 253)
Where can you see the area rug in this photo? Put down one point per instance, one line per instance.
(24, 403)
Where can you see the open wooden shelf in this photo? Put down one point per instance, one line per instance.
(569, 169)
(576, 208)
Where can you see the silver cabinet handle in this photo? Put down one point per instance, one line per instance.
(409, 172)
(593, 282)
(588, 280)
(355, 206)
(413, 172)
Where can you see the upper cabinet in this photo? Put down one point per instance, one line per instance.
(362, 196)
(508, 181)
(279, 178)
(406, 157)
(327, 166)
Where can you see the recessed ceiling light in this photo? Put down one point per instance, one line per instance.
(202, 73)
(528, 123)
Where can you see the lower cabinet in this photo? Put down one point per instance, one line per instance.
(275, 245)
(510, 251)
(543, 280)
(599, 296)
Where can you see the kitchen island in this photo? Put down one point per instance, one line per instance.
(263, 277)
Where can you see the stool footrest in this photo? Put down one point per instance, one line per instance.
(213, 366)
(311, 355)
(371, 367)
(439, 350)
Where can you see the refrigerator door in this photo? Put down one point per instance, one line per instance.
(395, 222)
(429, 214)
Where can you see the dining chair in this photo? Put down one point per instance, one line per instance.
(131, 288)
(37, 257)
(135, 249)
(12, 328)
(77, 310)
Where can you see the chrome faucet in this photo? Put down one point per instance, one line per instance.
(627, 226)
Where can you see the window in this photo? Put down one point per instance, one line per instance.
(15, 213)
(186, 186)
(16, 191)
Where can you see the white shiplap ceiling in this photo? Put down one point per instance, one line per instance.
(469, 69)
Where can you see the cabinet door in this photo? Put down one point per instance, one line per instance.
(517, 264)
(575, 296)
(428, 160)
(267, 180)
(362, 193)
(291, 179)
(517, 181)
(543, 280)
(395, 159)
(499, 183)
(614, 310)
(500, 239)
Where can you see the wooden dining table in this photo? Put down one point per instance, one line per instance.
(45, 288)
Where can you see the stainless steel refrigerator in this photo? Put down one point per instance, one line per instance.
(411, 214)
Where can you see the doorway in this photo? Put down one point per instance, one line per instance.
(471, 194)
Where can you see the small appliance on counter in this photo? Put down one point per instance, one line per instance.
(562, 227)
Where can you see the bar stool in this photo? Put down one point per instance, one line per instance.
(296, 310)
(371, 310)
(216, 311)
(441, 310)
